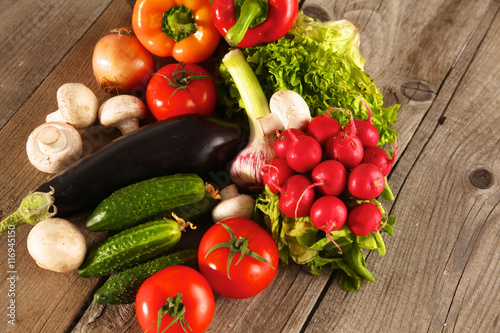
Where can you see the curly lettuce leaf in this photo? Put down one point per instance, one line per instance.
(320, 61)
(301, 242)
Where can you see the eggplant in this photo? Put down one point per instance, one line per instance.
(196, 144)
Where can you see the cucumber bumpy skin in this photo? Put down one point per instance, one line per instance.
(122, 287)
(143, 201)
(131, 247)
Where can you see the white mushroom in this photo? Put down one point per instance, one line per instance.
(52, 147)
(288, 110)
(57, 245)
(233, 204)
(78, 106)
(123, 112)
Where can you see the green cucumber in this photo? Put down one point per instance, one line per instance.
(122, 287)
(196, 210)
(131, 247)
(145, 200)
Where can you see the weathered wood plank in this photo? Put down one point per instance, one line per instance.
(443, 261)
(381, 45)
(445, 250)
(28, 50)
(47, 301)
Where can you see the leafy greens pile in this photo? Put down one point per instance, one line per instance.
(320, 61)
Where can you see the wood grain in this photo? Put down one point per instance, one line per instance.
(28, 50)
(439, 59)
(443, 221)
(59, 297)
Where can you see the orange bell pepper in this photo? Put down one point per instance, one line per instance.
(182, 29)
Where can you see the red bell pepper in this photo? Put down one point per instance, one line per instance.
(246, 23)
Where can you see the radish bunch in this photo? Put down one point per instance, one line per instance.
(317, 169)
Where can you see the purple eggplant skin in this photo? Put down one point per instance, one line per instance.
(185, 144)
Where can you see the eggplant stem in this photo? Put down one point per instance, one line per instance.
(13, 220)
(35, 207)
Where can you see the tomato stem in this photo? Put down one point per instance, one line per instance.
(181, 80)
(236, 245)
(175, 309)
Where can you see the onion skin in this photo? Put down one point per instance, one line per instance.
(122, 65)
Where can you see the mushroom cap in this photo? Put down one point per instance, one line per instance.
(120, 108)
(57, 245)
(288, 110)
(241, 205)
(54, 146)
(77, 104)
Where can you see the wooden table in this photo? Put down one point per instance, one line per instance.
(439, 59)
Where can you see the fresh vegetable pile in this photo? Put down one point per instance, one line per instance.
(295, 170)
(320, 201)
(322, 63)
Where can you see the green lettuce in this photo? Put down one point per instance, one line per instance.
(320, 61)
(301, 242)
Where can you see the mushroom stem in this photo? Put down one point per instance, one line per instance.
(52, 147)
(233, 204)
(55, 116)
(288, 110)
(50, 140)
(128, 125)
(228, 192)
(123, 112)
(271, 123)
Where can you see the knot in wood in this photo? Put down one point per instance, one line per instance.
(316, 13)
(417, 91)
(481, 178)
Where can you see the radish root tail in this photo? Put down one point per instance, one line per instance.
(333, 241)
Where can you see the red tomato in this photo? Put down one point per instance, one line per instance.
(248, 277)
(197, 297)
(179, 89)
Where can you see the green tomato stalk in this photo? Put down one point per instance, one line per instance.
(246, 167)
(236, 245)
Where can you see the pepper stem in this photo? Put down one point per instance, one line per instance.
(35, 207)
(251, 13)
(178, 22)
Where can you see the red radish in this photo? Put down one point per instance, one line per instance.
(345, 147)
(276, 173)
(366, 181)
(303, 153)
(297, 196)
(328, 213)
(283, 140)
(364, 219)
(380, 158)
(331, 177)
(366, 131)
(323, 127)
